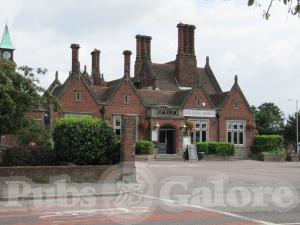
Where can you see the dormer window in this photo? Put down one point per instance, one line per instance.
(78, 96)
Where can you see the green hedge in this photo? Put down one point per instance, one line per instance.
(202, 147)
(144, 147)
(216, 148)
(267, 143)
(85, 141)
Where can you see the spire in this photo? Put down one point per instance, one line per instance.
(6, 41)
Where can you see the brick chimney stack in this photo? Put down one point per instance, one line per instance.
(127, 55)
(186, 39)
(186, 63)
(75, 61)
(143, 50)
(96, 75)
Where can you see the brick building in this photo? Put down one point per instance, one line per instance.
(176, 102)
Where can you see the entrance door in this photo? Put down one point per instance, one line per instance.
(167, 140)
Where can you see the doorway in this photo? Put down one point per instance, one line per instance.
(167, 138)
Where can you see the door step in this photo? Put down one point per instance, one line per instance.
(169, 157)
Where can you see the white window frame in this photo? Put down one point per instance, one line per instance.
(201, 122)
(236, 104)
(238, 130)
(115, 126)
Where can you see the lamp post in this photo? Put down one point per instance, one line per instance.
(297, 110)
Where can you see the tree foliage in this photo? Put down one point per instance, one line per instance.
(293, 6)
(19, 93)
(269, 119)
(33, 131)
(289, 132)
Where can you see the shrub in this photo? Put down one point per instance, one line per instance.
(202, 147)
(85, 141)
(267, 143)
(225, 149)
(28, 156)
(144, 147)
(216, 148)
(33, 131)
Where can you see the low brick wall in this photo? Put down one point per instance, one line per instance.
(139, 158)
(77, 174)
(218, 158)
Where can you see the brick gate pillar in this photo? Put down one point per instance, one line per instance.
(128, 140)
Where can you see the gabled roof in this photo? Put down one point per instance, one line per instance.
(54, 84)
(59, 90)
(6, 41)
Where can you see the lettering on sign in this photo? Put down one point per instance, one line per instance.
(199, 113)
(192, 151)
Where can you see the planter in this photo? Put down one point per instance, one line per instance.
(139, 158)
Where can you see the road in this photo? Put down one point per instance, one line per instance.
(183, 193)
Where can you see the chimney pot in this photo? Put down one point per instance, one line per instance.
(75, 61)
(127, 54)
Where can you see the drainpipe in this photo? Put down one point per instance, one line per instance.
(218, 121)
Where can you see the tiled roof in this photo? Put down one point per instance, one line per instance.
(162, 97)
(218, 99)
(166, 76)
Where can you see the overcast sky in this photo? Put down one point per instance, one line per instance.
(264, 54)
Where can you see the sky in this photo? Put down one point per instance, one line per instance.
(264, 54)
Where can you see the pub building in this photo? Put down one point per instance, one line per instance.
(176, 102)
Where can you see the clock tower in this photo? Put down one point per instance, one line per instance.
(6, 47)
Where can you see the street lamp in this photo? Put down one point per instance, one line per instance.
(297, 136)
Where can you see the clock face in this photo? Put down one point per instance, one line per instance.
(6, 55)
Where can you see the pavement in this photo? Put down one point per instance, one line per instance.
(185, 193)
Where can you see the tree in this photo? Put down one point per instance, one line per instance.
(269, 119)
(33, 131)
(289, 132)
(293, 6)
(19, 94)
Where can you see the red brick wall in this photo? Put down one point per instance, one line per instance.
(242, 113)
(87, 104)
(192, 101)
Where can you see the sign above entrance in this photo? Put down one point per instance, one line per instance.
(199, 113)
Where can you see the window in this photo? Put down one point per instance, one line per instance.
(235, 104)
(126, 99)
(117, 125)
(200, 131)
(198, 102)
(236, 132)
(78, 96)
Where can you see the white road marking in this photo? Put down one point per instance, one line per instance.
(89, 212)
(213, 210)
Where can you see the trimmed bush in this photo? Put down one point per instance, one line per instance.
(225, 149)
(202, 147)
(216, 148)
(28, 156)
(267, 143)
(144, 147)
(85, 141)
